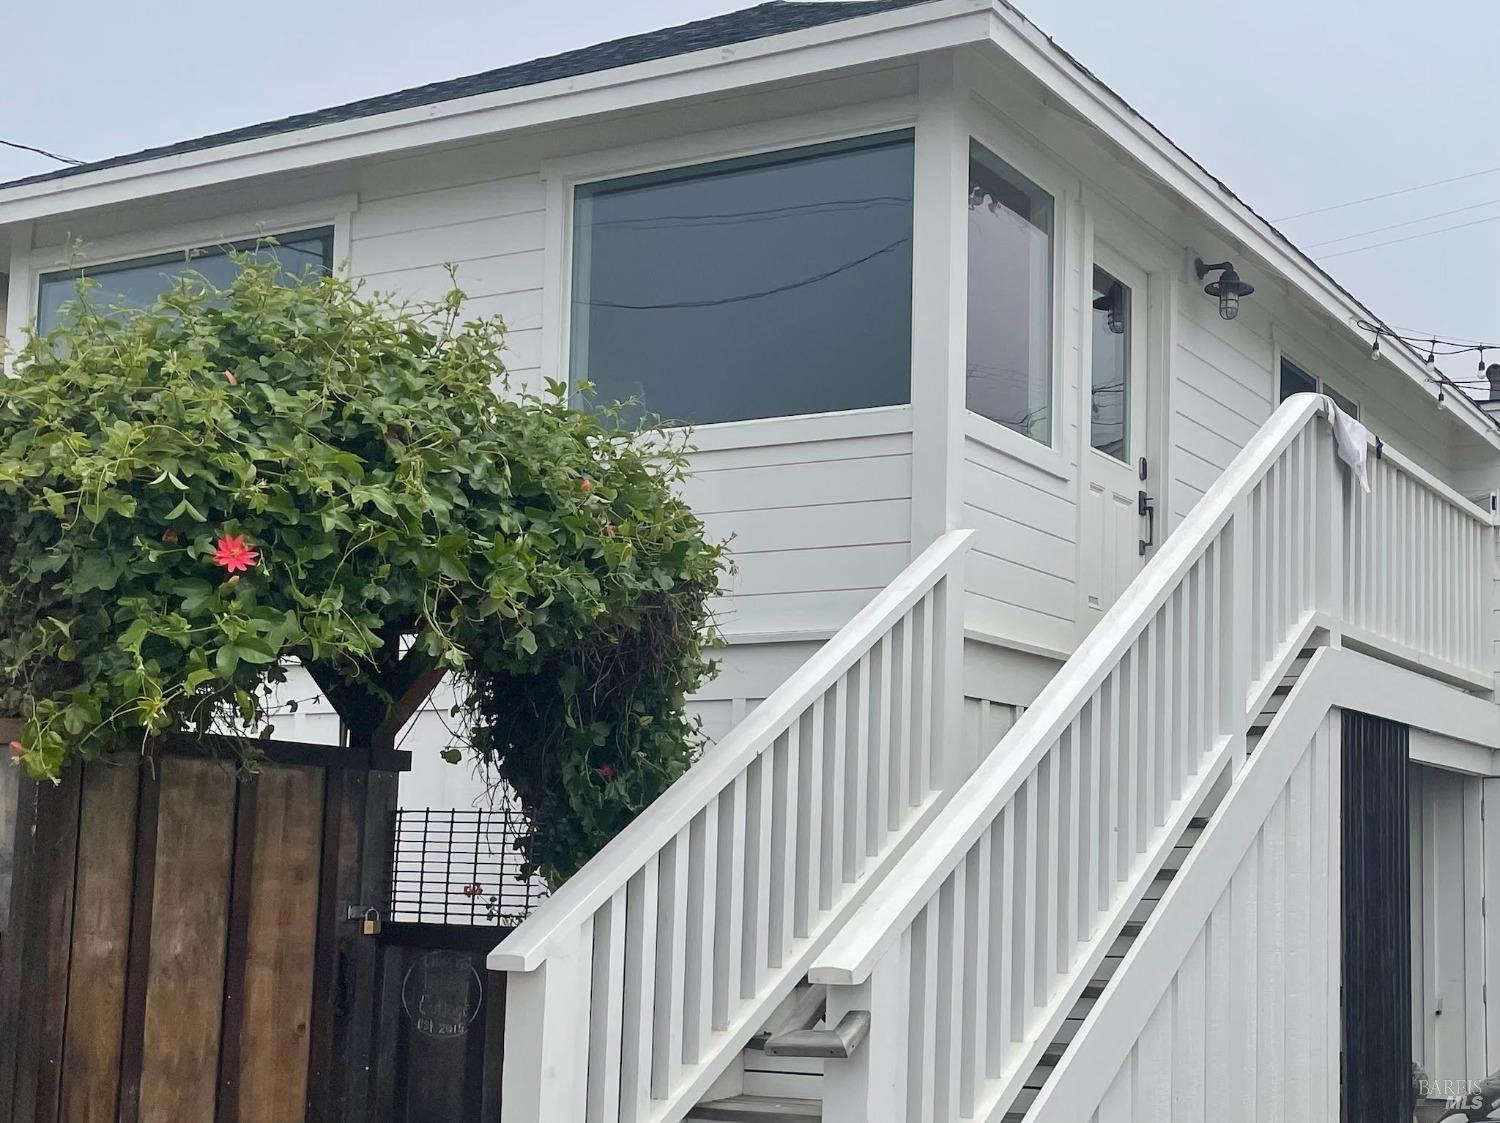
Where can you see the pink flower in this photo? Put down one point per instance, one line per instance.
(230, 378)
(233, 554)
(585, 486)
(17, 749)
(607, 771)
(473, 889)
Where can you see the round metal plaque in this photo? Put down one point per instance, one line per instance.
(441, 994)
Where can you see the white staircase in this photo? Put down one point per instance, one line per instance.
(962, 964)
(636, 986)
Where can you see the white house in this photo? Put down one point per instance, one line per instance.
(1090, 744)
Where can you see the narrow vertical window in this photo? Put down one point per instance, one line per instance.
(1109, 394)
(1009, 366)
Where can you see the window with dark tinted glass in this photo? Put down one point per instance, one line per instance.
(138, 282)
(1009, 365)
(760, 287)
(1295, 380)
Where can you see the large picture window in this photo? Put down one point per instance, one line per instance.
(1009, 365)
(760, 287)
(138, 282)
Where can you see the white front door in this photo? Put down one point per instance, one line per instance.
(1118, 516)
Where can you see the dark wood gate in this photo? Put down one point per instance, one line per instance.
(1377, 1081)
(457, 890)
(185, 941)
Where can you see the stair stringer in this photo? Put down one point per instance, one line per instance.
(1227, 1005)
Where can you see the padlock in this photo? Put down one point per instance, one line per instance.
(372, 922)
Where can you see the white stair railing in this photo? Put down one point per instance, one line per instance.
(634, 985)
(986, 932)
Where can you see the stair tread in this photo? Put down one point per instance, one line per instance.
(757, 1109)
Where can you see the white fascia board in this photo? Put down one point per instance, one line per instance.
(1095, 103)
(860, 41)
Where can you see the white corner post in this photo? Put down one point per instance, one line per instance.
(547, 1035)
(938, 347)
(870, 1087)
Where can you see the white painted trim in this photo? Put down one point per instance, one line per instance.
(860, 41)
(974, 807)
(995, 639)
(528, 946)
(1005, 441)
(800, 428)
(563, 176)
(758, 138)
(234, 226)
(1335, 679)
(29, 264)
(1102, 109)
(991, 127)
(1451, 755)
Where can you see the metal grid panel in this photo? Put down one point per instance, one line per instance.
(460, 867)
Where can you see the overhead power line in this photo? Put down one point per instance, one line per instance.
(1409, 237)
(1399, 225)
(40, 152)
(1387, 194)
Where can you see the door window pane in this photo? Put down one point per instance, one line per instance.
(1109, 402)
(1009, 367)
(761, 287)
(137, 283)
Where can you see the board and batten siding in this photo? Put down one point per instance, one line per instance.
(1248, 1027)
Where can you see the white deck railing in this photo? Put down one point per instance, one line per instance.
(631, 986)
(986, 932)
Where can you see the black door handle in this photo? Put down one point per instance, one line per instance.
(1146, 508)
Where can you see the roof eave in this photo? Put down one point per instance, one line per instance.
(1105, 110)
(861, 40)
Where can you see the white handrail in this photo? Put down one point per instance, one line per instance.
(850, 956)
(613, 866)
(633, 984)
(985, 933)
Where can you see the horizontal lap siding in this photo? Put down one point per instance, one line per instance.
(1022, 571)
(1221, 394)
(406, 233)
(815, 529)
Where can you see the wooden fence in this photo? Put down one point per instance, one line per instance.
(184, 941)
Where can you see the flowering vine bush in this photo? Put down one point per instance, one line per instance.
(202, 494)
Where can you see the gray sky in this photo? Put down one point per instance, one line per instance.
(1296, 104)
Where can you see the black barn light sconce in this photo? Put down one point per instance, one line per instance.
(1228, 288)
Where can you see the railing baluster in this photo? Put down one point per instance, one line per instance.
(754, 956)
(698, 1002)
(809, 820)
(671, 964)
(978, 947)
(784, 778)
(835, 727)
(730, 917)
(606, 1011)
(857, 794)
(881, 820)
(640, 990)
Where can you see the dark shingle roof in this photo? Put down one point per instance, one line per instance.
(719, 31)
